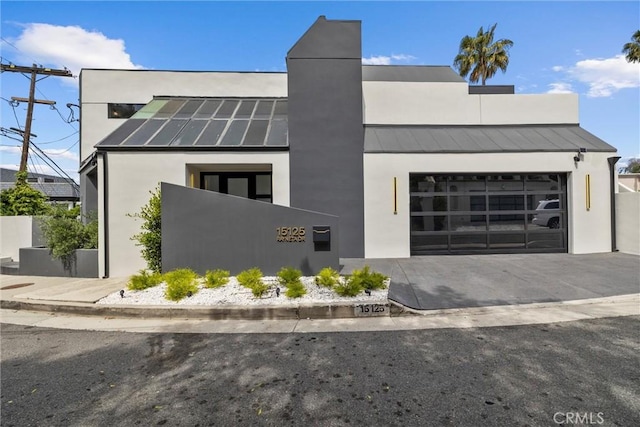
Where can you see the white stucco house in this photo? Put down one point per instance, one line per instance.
(412, 159)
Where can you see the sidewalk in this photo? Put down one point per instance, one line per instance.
(67, 303)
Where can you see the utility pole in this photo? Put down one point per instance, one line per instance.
(34, 71)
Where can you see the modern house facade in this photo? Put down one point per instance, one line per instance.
(411, 160)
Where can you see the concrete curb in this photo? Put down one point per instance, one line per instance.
(293, 312)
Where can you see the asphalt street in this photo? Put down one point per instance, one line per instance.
(538, 375)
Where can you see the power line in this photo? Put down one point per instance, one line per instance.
(35, 71)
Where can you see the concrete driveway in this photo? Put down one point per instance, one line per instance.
(458, 281)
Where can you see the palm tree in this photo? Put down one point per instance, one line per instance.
(632, 49)
(481, 56)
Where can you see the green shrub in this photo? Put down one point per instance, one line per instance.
(180, 283)
(369, 279)
(288, 275)
(252, 279)
(216, 278)
(150, 238)
(350, 288)
(295, 289)
(22, 199)
(64, 233)
(327, 277)
(144, 280)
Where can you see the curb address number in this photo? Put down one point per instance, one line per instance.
(368, 310)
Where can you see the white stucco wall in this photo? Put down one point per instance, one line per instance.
(15, 232)
(429, 103)
(628, 222)
(100, 87)
(132, 175)
(388, 235)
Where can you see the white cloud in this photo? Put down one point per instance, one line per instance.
(13, 150)
(61, 153)
(387, 60)
(557, 68)
(72, 47)
(560, 87)
(604, 77)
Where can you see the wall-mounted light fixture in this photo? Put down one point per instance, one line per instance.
(395, 195)
(588, 191)
(580, 155)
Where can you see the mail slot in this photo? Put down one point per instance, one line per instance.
(321, 233)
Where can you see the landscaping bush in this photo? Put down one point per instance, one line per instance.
(348, 289)
(64, 233)
(144, 280)
(150, 238)
(216, 278)
(327, 277)
(360, 280)
(252, 279)
(290, 278)
(295, 290)
(180, 283)
(368, 279)
(288, 275)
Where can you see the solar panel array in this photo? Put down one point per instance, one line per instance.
(204, 122)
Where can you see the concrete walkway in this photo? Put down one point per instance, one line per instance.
(426, 292)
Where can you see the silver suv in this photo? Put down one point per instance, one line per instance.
(547, 214)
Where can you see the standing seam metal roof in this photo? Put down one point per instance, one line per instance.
(480, 139)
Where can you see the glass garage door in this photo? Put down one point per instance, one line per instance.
(488, 213)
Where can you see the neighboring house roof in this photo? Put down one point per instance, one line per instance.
(9, 175)
(481, 139)
(59, 189)
(53, 190)
(204, 123)
(407, 73)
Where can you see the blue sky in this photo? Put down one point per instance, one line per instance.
(558, 47)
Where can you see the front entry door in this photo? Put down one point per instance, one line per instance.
(252, 185)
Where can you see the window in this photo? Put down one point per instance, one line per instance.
(123, 111)
(252, 185)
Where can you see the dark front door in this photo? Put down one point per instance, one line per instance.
(252, 185)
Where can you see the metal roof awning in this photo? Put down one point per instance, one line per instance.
(480, 139)
(182, 123)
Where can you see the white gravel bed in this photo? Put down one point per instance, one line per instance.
(235, 294)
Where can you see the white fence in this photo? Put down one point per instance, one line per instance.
(16, 232)
(628, 222)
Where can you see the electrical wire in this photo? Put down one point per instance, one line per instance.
(55, 165)
(58, 140)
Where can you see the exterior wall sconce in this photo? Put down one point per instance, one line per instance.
(588, 191)
(579, 156)
(395, 195)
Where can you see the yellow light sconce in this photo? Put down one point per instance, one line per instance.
(588, 191)
(395, 195)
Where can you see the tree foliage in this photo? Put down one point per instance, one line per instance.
(64, 233)
(633, 166)
(632, 49)
(23, 199)
(150, 238)
(480, 57)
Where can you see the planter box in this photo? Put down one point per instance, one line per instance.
(38, 262)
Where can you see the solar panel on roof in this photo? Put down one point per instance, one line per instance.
(212, 132)
(235, 133)
(204, 122)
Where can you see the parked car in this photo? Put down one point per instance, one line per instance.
(547, 214)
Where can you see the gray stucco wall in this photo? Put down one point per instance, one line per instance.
(326, 132)
(204, 230)
(38, 262)
(89, 191)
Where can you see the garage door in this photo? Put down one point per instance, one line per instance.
(488, 213)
